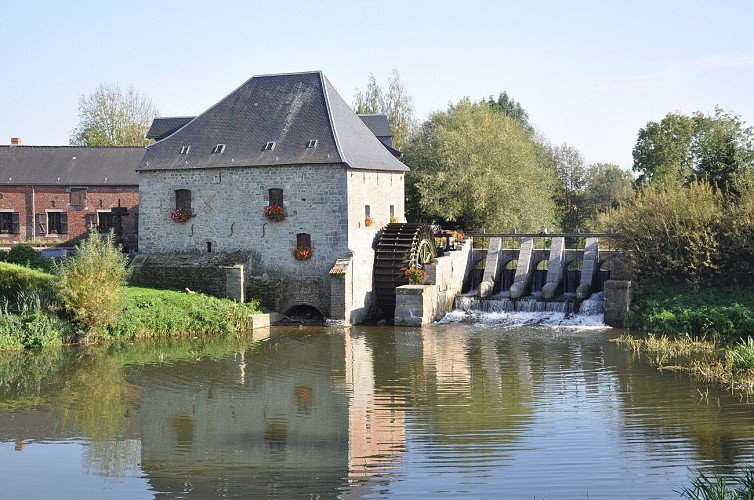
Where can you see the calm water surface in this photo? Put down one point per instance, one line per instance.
(447, 411)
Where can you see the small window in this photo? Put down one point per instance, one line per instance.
(269, 146)
(276, 197)
(367, 210)
(183, 199)
(218, 149)
(185, 150)
(77, 197)
(9, 223)
(57, 223)
(209, 247)
(303, 240)
(312, 143)
(104, 222)
(392, 211)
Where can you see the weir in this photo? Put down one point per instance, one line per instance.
(536, 272)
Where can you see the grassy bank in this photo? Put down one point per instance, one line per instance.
(725, 313)
(707, 334)
(31, 317)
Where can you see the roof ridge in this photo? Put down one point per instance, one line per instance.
(330, 117)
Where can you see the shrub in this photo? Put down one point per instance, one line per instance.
(90, 286)
(25, 255)
(671, 234)
(727, 313)
(15, 278)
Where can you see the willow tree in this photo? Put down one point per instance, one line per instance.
(478, 168)
(111, 117)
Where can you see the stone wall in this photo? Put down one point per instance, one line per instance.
(378, 190)
(324, 201)
(417, 305)
(217, 275)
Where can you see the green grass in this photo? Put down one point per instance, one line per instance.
(726, 313)
(151, 313)
(715, 487)
(25, 324)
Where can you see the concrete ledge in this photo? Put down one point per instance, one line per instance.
(618, 299)
(263, 320)
(415, 304)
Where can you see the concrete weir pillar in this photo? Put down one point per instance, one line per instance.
(555, 269)
(492, 267)
(589, 268)
(522, 281)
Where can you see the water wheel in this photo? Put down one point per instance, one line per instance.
(400, 247)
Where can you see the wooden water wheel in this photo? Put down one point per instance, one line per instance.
(400, 247)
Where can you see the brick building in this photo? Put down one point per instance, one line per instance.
(54, 193)
(279, 140)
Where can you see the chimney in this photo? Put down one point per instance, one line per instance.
(15, 141)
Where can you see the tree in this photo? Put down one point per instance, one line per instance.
(512, 108)
(395, 103)
(608, 186)
(111, 117)
(477, 168)
(572, 174)
(680, 149)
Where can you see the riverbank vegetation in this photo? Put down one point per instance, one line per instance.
(85, 299)
(717, 487)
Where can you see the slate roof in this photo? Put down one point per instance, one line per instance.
(289, 110)
(70, 165)
(380, 127)
(163, 126)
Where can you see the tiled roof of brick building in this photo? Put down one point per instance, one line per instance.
(70, 165)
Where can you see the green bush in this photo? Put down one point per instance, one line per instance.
(671, 234)
(165, 313)
(15, 278)
(25, 255)
(724, 312)
(90, 284)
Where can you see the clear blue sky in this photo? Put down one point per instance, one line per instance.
(590, 73)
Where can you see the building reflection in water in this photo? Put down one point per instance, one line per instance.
(355, 412)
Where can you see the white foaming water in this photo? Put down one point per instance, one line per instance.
(499, 310)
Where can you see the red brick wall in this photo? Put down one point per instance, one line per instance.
(19, 199)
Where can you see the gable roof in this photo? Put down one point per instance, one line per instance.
(70, 165)
(163, 126)
(288, 110)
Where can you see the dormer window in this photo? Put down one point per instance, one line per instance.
(269, 146)
(312, 143)
(218, 149)
(185, 150)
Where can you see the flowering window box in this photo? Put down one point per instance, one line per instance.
(302, 253)
(181, 215)
(275, 213)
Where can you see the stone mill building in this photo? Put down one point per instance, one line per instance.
(285, 141)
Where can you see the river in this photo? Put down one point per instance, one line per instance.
(457, 409)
